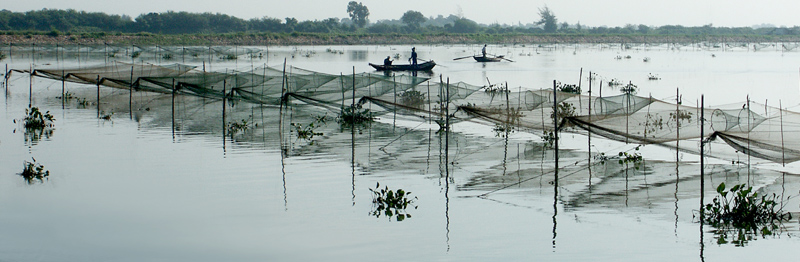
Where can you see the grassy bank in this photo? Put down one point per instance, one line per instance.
(258, 39)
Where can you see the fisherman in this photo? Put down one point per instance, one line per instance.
(483, 51)
(413, 57)
(387, 61)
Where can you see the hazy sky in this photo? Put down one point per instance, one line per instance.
(727, 13)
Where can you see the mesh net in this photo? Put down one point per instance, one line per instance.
(626, 117)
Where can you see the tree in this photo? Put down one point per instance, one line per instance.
(358, 12)
(464, 25)
(413, 18)
(548, 19)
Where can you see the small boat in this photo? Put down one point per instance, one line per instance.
(427, 66)
(487, 58)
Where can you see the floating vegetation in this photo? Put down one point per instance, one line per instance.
(236, 127)
(166, 57)
(83, 103)
(307, 132)
(390, 203)
(67, 96)
(352, 116)
(646, 59)
(135, 54)
(106, 116)
(496, 89)
(549, 139)
(33, 171)
(229, 57)
(564, 110)
(568, 88)
(2, 56)
(412, 98)
(740, 214)
(651, 76)
(36, 120)
(623, 158)
(614, 82)
(629, 89)
(627, 158)
(501, 130)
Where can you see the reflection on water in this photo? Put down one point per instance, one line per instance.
(358, 55)
(162, 171)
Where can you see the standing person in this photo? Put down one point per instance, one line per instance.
(483, 51)
(413, 57)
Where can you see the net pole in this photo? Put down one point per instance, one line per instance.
(555, 125)
(341, 84)
(748, 140)
(224, 96)
(428, 83)
(98, 96)
(130, 95)
(580, 78)
(30, 87)
(702, 154)
(63, 85)
(589, 128)
(783, 147)
(677, 123)
(173, 108)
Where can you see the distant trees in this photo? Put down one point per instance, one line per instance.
(413, 18)
(54, 22)
(548, 19)
(358, 12)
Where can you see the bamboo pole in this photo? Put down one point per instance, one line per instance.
(98, 96)
(702, 154)
(130, 95)
(555, 125)
(677, 123)
(30, 87)
(749, 151)
(173, 109)
(224, 106)
(783, 147)
(589, 128)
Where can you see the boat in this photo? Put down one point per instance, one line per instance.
(427, 66)
(487, 58)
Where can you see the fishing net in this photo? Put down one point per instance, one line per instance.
(625, 117)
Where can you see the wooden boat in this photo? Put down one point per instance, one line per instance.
(427, 66)
(487, 58)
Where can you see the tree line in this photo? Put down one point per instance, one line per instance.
(57, 21)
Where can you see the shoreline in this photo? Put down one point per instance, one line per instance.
(246, 39)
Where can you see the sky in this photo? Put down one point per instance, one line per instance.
(719, 13)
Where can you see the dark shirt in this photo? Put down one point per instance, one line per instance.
(413, 57)
(387, 61)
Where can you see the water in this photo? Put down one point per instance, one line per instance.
(131, 189)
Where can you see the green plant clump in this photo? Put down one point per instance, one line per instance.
(307, 132)
(412, 98)
(353, 116)
(236, 127)
(742, 213)
(36, 120)
(390, 202)
(568, 88)
(33, 171)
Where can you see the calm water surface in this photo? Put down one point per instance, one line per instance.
(134, 189)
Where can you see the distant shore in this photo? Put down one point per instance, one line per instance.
(247, 39)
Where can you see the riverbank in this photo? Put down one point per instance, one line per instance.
(260, 39)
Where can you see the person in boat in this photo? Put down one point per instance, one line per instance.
(483, 51)
(413, 57)
(387, 61)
